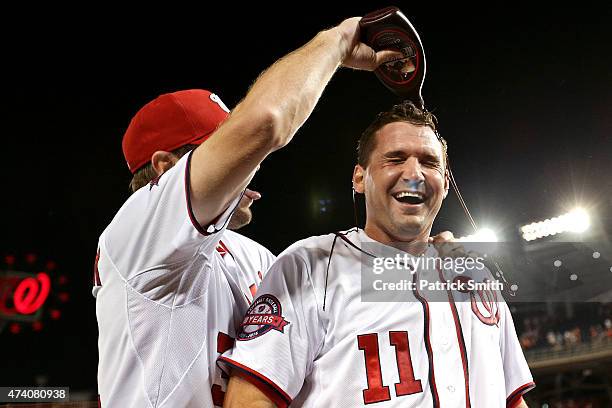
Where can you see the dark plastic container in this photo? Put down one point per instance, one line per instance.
(390, 29)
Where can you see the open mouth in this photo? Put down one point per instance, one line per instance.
(410, 197)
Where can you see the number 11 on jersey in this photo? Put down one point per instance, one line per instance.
(376, 391)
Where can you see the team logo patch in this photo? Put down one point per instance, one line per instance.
(484, 303)
(485, 307)
(263, 315)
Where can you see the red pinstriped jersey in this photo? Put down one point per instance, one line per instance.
(310, 340)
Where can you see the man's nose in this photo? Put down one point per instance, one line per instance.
(411, 170)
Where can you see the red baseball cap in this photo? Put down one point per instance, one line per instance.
(170, 121)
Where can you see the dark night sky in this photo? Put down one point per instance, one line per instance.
(523, 96)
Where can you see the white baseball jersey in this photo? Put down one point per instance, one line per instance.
(169, 295)
(462, 352)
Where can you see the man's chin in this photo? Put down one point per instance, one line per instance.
(408, 227)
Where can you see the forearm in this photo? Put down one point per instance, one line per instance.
(275, 107)
(242, 394)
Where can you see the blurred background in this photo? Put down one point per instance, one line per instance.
(523, 96)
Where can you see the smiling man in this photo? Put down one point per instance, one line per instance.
(310, 339)
(401, 171)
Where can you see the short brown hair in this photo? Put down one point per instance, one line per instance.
(402, 112)
(146, 173)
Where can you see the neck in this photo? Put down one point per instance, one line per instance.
(414, 244)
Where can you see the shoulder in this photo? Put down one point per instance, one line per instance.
(148, 204)
(319, 247)
(234, 238)
(236, 241)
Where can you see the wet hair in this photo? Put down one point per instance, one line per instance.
(406, 111)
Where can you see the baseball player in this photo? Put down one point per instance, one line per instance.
(309, 339)
(171, 283)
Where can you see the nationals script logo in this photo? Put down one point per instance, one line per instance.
(484, 303)
(264, 315)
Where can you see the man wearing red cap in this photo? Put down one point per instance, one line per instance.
(168, 298)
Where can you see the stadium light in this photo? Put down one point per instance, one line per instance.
(577, 220)
(482, 235)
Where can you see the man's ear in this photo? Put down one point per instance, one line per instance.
(446, 183)
(358, 179)
(162, 161)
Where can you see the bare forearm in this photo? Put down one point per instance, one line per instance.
(278, 103)
(243, 394)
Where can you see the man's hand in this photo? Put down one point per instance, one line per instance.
(448, 246)
(444, 236)
(357, 54)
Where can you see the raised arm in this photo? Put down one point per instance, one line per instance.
(278, 103)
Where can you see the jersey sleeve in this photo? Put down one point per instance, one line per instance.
(156, 229)
(281, 333)
(267, 259)
(518, 379)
